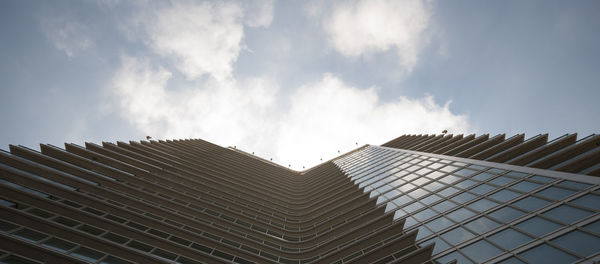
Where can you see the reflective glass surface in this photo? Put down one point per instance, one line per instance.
(531, 203)
(567, 214)
(506, 214)
(481, 251)
(461, 214)
(457, 236)
(474, 212)
(590, 201)
(581, 243)
(547, 254)
(510, 238)
(482, 225)
(538, 226)
(504, 195)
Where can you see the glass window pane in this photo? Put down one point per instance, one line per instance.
(87, 254)
(510, 239)
(433, 186)
(482, 205)
(406, 187)
(538, 226)
(547, 254)
(418, 193)
(430, 199)
(439, 224)
(530, 203)
(390, 207)
(448, 191)
(409, 222)
(481, 251)
(402, 200)
(392, 193)
(477, 167)
(517, 174)
(579, 242)
(555, 193)
(481, 225)
(448, 168)
(483, 176)
(511, 260)
(525, 186)
(505, 195)
(439, 245)
(424, 215)
(567, 214)
(450, 179)
(575, 185)
(444, 206)
(465, 172)
(502, 181)
(589, 200)
(594, 227)
(465, 184)
(496, 170)
(457, 235)
(420, 181)
(463, 197)
(542, 178)
(399, 214)
(435, 174)
(30, 235)
(58, 244)
(423, 232)
(412, 207)
(460, 214)
(381, 199)
(482, 189)
(423, 171)
(397, 183)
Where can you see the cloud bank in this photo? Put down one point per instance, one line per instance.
(356, 28)
(300, 127)
(200, 38)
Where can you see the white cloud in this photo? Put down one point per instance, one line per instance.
(330, 115)
(67, 36)
(203, 38)
(258, 13)
(323, 117)
(361, 27)
(313, 121)
(225, 112)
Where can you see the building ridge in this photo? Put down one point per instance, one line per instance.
(204, 202)
(252, 155)
(415, 199)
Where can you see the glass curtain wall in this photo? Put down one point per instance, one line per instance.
(478, 212)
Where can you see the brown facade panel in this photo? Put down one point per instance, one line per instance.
(564, 153)
(189, 201)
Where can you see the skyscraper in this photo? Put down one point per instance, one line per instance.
(414, 199)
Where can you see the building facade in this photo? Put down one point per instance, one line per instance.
(415, 199)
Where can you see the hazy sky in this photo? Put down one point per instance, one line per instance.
(295, 81)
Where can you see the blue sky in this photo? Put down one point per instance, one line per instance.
(295, 81)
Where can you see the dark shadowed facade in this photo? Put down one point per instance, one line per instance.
(414, 199)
